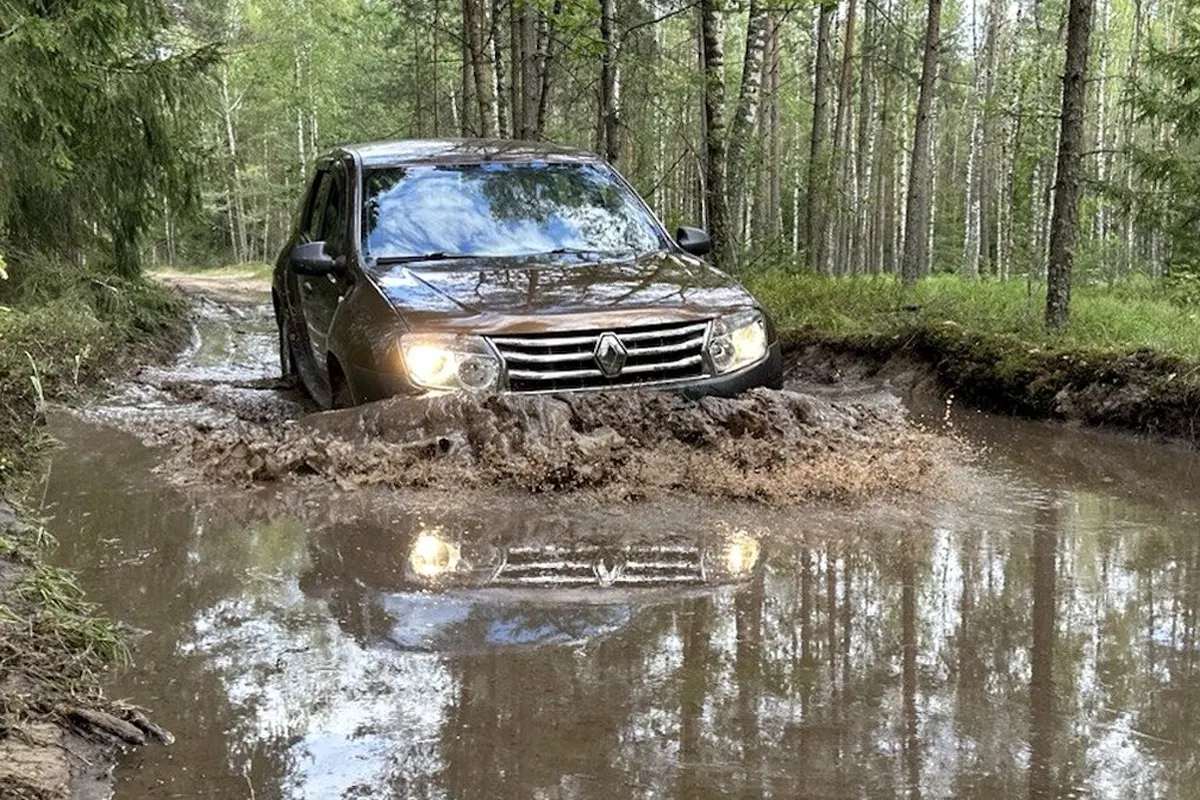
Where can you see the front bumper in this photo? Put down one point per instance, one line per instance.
(368, 385)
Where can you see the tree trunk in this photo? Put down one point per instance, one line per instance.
(467, 95)
(775, 144)
(500, 81)
(848, 203)
(530, 79)
(1066, 185)
(1130, 211)
(864, 146)
(516, 41)
(546, 64)
(817, 168)
(712, 30)
(610, 81)
(475, 27)
(744, 118)
(237, 208)
(435, 55)
(917, 209)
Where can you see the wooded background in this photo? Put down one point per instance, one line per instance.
(854, 137)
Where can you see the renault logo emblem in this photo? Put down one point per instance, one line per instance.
(610, 355)
(609, 570)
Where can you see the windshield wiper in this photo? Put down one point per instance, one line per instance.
(586, 251)
(435, 256)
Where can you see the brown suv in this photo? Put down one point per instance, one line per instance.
(498, 266)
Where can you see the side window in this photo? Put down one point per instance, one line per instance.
(311, 225)
(333, 221)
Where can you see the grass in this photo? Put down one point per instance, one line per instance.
(255, 270)
(1124, 318)
(1128, 359)
(54, 345)
(50, 635)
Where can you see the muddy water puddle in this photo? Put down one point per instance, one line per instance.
(1031, 631)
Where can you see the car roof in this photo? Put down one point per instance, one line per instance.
(461, 151)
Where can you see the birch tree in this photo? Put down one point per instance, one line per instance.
(919, 201)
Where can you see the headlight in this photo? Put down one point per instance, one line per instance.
(740, 555)
(437, 557)
(448, 362)
(432, 556)
(737, 340)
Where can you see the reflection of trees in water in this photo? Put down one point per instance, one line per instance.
(918, 663)
(1045, 649)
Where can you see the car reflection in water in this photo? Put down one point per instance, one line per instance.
(466, 585)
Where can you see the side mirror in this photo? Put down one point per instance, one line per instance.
(693, 240)
(310, 258)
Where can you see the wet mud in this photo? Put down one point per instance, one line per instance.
(224, 418)
(774, 446)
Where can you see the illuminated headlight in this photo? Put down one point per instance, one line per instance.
(739, 555)
(432, 556)
(737, 340)
(449, 362)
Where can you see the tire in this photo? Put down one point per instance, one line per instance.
(287, 356)
(340, 395)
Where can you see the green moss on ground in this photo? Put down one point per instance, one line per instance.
(1130, 358)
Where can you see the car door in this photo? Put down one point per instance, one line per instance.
(321, 294)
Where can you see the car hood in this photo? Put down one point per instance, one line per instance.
(510, 294)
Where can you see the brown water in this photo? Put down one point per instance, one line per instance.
(1033, 633)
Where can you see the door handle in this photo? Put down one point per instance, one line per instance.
(308, 287)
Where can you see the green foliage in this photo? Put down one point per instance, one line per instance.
(1169, 98)
(96, 122)
(65, 615)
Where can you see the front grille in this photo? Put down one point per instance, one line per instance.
(633, 565)
(566, 361)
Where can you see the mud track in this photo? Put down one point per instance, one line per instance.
(232, 422)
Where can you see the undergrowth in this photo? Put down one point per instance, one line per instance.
(62, 330)
(52, 643)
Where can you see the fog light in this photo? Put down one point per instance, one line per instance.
(431, 556)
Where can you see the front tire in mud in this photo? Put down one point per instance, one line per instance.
(287, 355)
(340, 394)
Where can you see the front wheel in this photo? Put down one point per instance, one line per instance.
(287, 355)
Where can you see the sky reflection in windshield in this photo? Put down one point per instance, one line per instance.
(502, 210)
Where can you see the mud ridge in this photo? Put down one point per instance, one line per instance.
(772, 446)
(1140, 392)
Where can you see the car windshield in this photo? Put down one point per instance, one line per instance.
(502, 210)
